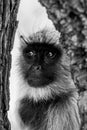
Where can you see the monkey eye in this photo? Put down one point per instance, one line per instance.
(51, 54)
(30, 54)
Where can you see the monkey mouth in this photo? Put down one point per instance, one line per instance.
(39, 81)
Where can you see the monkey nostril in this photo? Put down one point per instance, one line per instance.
(38, 67)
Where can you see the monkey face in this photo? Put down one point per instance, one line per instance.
(39, 63)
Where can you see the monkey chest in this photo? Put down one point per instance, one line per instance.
(33, 114)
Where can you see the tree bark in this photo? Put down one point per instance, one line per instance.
(8, 25)
(70, 19)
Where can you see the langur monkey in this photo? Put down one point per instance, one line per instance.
(42, 93)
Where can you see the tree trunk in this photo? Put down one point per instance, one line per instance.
(70, 19)
(8, 25)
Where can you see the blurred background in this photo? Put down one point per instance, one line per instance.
(32, 17)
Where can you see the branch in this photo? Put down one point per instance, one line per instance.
(8, 25)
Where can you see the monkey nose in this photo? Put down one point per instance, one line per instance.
(37, 67)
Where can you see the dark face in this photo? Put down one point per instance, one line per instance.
(39, 64)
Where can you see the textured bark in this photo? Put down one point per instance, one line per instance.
(70, 19)
(8, 25)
